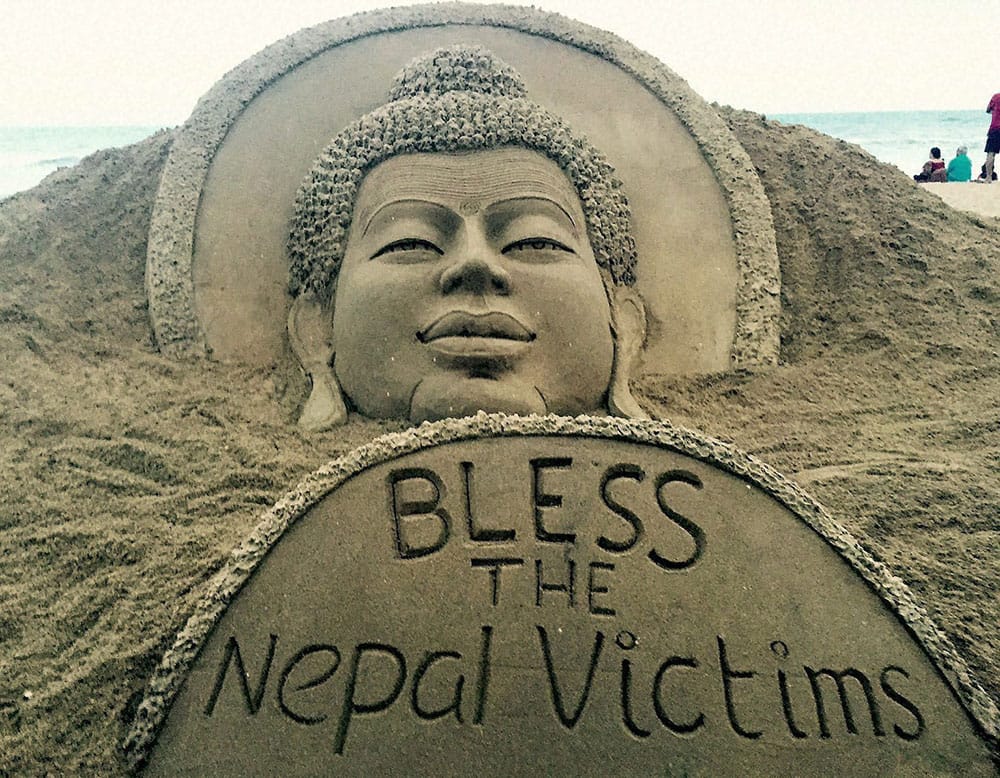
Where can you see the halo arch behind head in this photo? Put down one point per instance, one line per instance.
(217, 268)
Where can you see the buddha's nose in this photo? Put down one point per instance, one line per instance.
(476, 272)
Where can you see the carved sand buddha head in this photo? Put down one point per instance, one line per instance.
(459, 249)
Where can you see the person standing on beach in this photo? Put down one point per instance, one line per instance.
(960, 168)
(992, 136)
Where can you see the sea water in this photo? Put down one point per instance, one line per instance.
(901, 138)
(904, 138)
(28, 154)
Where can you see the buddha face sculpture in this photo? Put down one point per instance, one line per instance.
(468, 282)
(463, 275)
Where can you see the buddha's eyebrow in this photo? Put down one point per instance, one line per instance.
(503, 205)
(411, 201)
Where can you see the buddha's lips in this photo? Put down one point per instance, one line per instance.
(461, 324)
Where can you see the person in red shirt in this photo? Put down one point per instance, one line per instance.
(934, 169)
(992, 136)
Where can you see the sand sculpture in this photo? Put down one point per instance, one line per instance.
(217, 263)
(458, 250)
(461, 249)
(130, 476)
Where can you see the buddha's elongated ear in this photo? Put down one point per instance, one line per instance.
(310, 333)
(628, 325)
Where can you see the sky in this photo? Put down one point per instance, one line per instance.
(146, 62)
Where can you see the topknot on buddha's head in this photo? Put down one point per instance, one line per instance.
(457, 69)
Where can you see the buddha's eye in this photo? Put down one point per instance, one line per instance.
(407, 245)
(537, 244)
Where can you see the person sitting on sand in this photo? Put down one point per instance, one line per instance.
(934, 169)
(982, 175)
(960, 168)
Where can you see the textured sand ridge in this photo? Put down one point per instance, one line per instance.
(128, 477)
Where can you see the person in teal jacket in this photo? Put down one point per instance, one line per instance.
(960, 168)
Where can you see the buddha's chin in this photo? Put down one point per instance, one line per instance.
(442, 397)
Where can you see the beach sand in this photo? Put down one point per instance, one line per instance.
(128, 477)
(982, 199)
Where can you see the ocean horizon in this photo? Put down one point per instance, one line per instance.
(900, 138)
(903, 138)
(29, 154)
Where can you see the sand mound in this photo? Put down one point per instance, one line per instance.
(128, 477)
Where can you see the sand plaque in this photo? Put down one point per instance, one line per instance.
(585, 596)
